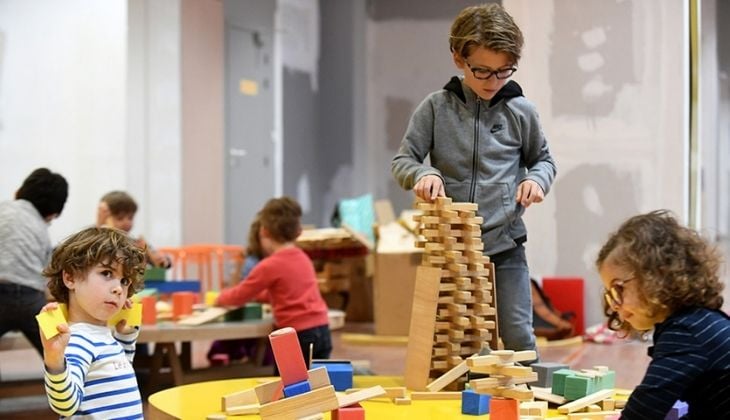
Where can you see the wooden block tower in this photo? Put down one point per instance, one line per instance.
(465, 316)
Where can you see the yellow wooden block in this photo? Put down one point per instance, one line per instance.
(133, 316)
(211, 297)
(49, 321)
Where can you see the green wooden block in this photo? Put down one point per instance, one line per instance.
(607, 381)
(253, 311)
(578, 387)
(155, 273)
(234, 315)
(559, 376)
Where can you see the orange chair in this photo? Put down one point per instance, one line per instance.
(205, 259)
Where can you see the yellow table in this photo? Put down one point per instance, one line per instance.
(197, 401)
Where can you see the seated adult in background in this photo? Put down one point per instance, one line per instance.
(117, 209)
(25, 250)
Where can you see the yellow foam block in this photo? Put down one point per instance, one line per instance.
(49, 321)
(211, 297)
(133, 316)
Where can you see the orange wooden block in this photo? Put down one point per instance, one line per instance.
(504, 409)
(149, 310)
(182, 304)
(288, 355)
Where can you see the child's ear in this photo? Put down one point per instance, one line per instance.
(68, 280)
(458, 60)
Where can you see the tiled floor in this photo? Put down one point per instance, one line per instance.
(628, 359)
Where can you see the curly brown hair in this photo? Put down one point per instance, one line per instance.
(281, 218)
(83, 250)
(674, 266)
(488, 26)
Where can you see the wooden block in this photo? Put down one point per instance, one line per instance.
(521, 394)
(495, 381)
(402, 401)
(270, 391)
(313, 402)
(390, 392)
(545, 395)
(423, 318)
(243, 409)
(208, 315)
(585, 401)
(49, 321)
(534, 408)
(442, 395)
(503, 409)
(361, 395)
(352, 412)
(245, 397)
(597, 415)
(288, 355)
(609, 404)
(448, 377)
(318, 377)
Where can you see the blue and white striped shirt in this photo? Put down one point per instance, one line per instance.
(690, 362)
(99, 380)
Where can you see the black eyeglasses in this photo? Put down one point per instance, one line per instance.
(614, 296)
(484, 74)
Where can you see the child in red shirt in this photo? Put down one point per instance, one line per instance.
(286, 278)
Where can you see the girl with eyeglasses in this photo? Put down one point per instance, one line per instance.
(659, 275)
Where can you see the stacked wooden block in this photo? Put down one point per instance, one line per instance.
(463, 320)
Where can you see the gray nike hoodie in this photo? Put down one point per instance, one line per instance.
(482, 150)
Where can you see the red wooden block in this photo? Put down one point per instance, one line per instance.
(566, 294)
(504, 409)
(288, 355)
(351, 412)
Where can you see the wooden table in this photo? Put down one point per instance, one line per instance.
(165, 335)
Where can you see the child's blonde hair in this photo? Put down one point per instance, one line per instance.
(673, 265)
(488, 26)
(85, 249)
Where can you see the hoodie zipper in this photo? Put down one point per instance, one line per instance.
(474, 156)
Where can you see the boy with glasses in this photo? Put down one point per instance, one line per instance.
(659, 275)
(486, 146)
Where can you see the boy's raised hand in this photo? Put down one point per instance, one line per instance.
(429, 187)
(54, 348)
(529, 192)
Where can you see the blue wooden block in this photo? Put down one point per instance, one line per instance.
(173, 286)
(297, 388)
(678, 410)
(473, 403)
(340, 373)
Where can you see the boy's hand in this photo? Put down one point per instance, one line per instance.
(529, 192)
(429, 187)
(54, 349)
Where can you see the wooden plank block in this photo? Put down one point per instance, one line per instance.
(448, 377)
(361, 395)
(302, 405)
(544, 394)
(208, 315)
(270, 391)
(596, 415)
(245, 397)
(318, 377)
(585, 401)
(390, 392)
(243, 409)
(423, 318)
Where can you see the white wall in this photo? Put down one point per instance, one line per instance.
(610, 82)
(73, 101)
(62, 99)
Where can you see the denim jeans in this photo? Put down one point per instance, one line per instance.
(514, 299)
(18, 307)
